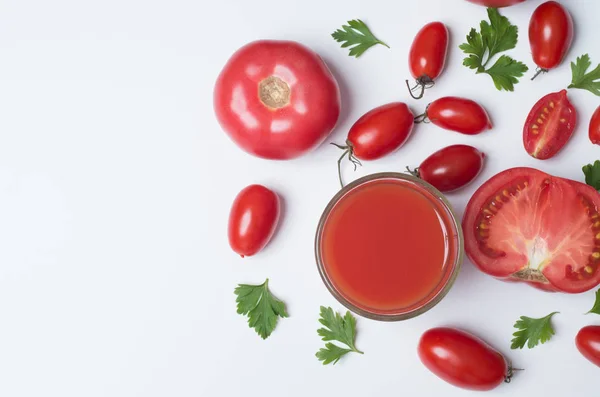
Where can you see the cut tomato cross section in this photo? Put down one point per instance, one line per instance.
(526, 225)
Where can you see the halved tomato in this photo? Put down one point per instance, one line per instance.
(526, 225)
(549, 125)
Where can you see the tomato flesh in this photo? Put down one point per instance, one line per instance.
(276, 99)
(550, 34)
(595, 127)
(462, 360)
(526, 225)
(588, 343)
(549, 125)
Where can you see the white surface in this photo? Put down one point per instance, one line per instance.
(116, 278)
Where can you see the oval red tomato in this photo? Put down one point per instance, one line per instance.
(496, 3)
(462, 360)
(252, 219)
(550, 34)
(377, 133)
(457, 114)
(549, 125)
(588, 343)
(451, 168)
(276, 99)
(427, 56)
(595, 127)
(526, 225)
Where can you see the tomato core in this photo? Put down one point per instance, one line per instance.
(274, 92)
(389, 247)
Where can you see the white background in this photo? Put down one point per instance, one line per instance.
(116, 278)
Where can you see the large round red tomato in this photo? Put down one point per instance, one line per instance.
(427, 56)
(588, 343)
(594, 132)
(496, 3)
(462, 359)
(252, 219)
(276, 99)
(451, 168)
(526, 225)
(549, 125)
(550, 34)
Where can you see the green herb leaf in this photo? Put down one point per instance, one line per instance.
(358, 35)
(261, 307)
(585, 81)
(596, 308)
(337, 328)
(532, 331)
(493, 38)
(592, 174)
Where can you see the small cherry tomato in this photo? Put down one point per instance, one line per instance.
(457, 114)
(549, 125)
(427, 56)
(463, 360)
(377, 133)
(451, 168)
(496, 3)
(588, 343)
(550, 35)
(276, 99)
(252, 219)
(595, 127)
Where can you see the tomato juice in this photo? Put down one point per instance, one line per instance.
(388, 246)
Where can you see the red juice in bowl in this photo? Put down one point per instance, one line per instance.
(388, 246)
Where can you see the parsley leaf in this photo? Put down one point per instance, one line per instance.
(261, 307)
(585, 81)
(337, 328)
(356, 34)
(596, 308)
(532, 331)
(592, 174)
(497, 36)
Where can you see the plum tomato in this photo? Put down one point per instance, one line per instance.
(252, 219)
(549, 125)
(550, 35)
(595, 127)
(457, 114)
(525, 225)
(462, 359)
(377, 133)
(451, 168)
(427, 56)
(496, 3)
(276, 99)
(588, 343)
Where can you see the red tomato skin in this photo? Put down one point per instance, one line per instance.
(284, 132)
(595, 127)
(496, 3)
(461, 359)
(459, 114)
(252, 220)
(550, 34)
(381, 131)
(548, 139)
(427, 55)
(588, 343)
(452, 167)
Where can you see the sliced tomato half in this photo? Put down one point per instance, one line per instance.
(526, 225)
(549, 125)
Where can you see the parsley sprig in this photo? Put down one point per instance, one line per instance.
(497, 36)
(337, 328)
(358, 35)
(592, 174)
(261, 307)
(596, 308)
(532, 331)
(586, 81)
